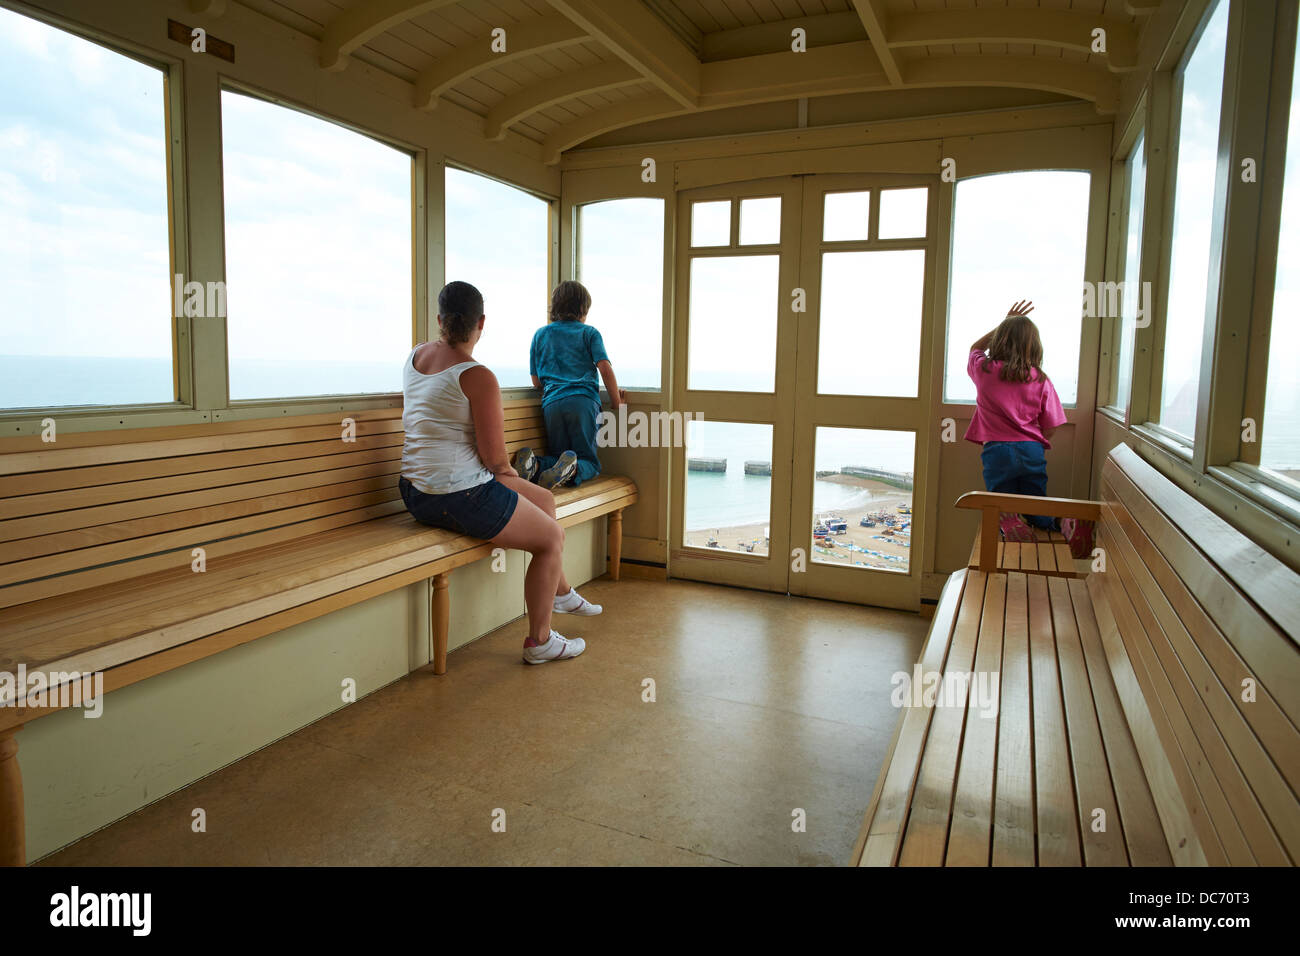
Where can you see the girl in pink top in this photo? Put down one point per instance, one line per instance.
(1016, 412)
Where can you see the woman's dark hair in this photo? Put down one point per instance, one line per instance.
(460, 306)
(570, 301)
(1016, 344)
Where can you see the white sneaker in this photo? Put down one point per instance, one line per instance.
(556, 648)
(575, 603)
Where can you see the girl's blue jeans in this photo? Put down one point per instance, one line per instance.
(1017, 468)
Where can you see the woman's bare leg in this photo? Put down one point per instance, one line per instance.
(532, 529)
(544, 500)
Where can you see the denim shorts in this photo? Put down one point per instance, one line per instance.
(480, 512)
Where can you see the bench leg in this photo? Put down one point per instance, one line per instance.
(439, 620)
(13, 827)
(615, 542)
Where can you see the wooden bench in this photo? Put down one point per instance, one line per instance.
(1048, 554)
(100, 536)
(1147, 711)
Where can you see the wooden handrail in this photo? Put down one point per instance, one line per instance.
(993, 504)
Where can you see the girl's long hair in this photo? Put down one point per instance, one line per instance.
(1017, 345)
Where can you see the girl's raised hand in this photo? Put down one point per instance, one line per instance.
(1020, 308)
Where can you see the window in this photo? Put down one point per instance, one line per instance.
(497, 239)
(1201, 85)
(1280, 436)
(318, 254)
(1133, 301)
(85, 259)
(1018, 235)
(620, 261)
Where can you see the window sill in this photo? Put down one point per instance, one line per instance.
(1114, 414)
(1165, 439)
(1262, 487)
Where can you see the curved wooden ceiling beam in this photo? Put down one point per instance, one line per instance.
(365, 21)
(523, 39)
(633, 33)
(821, 71)
(873, 15)
(566, 86)
(642, 109)
(1063, 29)
(1022, 72)
(213, 8)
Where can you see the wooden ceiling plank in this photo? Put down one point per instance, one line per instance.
(365, 21)
(524, 39)
(1062, 29)
(556, 90)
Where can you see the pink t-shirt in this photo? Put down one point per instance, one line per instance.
(1011, 411)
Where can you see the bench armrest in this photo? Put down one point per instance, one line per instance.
(992, 505)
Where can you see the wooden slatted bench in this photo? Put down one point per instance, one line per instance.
(99, 539)
(1147, 712)
(1048, 554)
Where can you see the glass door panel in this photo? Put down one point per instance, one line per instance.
(862, 498)
(869, 336)
(730, 294)
(729, 486)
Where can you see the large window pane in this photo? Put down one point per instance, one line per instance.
(870, 323)
(497, 239)
(1018, 236)
(620, 261)
(728, 293)
(318, 254)
(1189, 258)
(862, 498)
(1280, 437)
(728, 486)
(85, 284)
(1136, 176)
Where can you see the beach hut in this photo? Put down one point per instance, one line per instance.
(225, 226)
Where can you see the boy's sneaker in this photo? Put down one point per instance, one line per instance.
(559, 473)
(1015, 528)
(556, 648)
(526, 464)
(1079, 533)
(575, 603)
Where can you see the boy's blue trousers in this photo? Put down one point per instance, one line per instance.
(571, 426)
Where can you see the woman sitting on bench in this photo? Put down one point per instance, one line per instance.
(456, 473)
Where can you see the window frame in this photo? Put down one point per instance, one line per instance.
(1241, 470)
(1089, 341)
(290, 404)
(175, 146)
(553, 252)
(575, 264)
(1135, 131)
(1172, 107)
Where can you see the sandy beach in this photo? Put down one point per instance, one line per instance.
(893, 551)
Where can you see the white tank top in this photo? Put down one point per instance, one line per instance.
(440, 454)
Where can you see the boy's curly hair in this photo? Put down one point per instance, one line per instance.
(1017, 345)
(570, 301)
